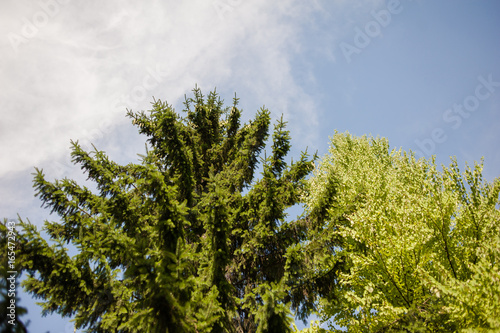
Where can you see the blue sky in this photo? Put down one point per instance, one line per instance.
(424, 74)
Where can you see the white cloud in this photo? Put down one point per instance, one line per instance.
(87, 61)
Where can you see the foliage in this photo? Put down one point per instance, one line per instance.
(314, 328)
(185, 241)
(188, 240)
(412, 248)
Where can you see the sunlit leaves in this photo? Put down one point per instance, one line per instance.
(406, 230)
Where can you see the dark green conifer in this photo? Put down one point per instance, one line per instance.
(185, 241)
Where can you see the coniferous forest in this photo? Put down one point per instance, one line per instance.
(195, 237)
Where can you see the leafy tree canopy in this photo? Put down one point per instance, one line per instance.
(412, 248)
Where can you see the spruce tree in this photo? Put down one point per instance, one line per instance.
(187, 240)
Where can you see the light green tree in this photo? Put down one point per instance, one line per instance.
(410, 248)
